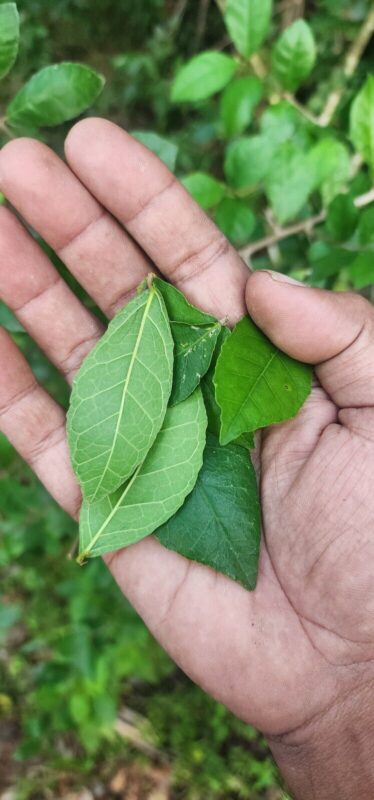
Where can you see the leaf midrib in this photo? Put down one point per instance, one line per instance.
(261, 375)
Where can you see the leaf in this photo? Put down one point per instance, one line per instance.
(362, 122)
(248, 22)
(329, 163)
(283, 123)
(238, 101)
(194, 348)
(235, 220)
(54, 95)
(166, 150)
(203, 76)
(247, 161)
(178, 307)
(342, 218)
(294, 55)
(288, 182)
(365, 229)
(8, 320)
(256, 384)
(226, 504)
(207, 191)
(120, 395)
(330, 264)
(211, 406)
(9, 37)
(155, 491)
(361, 271)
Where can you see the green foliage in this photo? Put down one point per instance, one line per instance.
(247, 22)
(203, 76)
(294, 55)
(362, 122)
(9, 37)
(219, 524)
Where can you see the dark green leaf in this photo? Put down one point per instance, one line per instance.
(342, 218)
(329, 163)
(361, 271)
(155, 491)
(330, 264)
(55, 95)
(120, 395)
(248, 22)
(366, 226)
(237, 104)
(194, 348)
(178, 307)
(294, 55)
(219, 524)
(256, 384)
(235, 220)
(203, 76)
(166, 150)
(288, 182)
(247, 161)
(362, 122)
(207, 191)
(9, 37)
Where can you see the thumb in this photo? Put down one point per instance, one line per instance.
(334, 331)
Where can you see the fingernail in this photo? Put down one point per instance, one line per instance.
(280, 277)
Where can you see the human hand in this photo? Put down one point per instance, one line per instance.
(294, 658)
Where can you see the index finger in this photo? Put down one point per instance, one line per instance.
(138, 189)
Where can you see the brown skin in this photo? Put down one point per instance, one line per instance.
(295, 657)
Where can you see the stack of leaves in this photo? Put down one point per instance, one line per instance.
(162, 415)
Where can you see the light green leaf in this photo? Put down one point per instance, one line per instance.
(294, 55)
(55, 95)
(207, 191)
(209, 393)
(361, 271)
(362, 122)
(329, 163)
(365, 229)
(226, 504)
(120, 395)
(203, 76)
(342, 218)
(247, 161)
(248, 22)
(288, 182)
(283, 123)
(256, 384)
(238, 101)
(235, 220)
(9, 37)
(178, 307)
(166, 150)
(155, 491)
(194, 348)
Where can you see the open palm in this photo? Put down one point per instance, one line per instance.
(283, 655)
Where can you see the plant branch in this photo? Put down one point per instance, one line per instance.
(305, 226)
(350, 65)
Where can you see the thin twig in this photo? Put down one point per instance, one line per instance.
(306, 226)
(349, 68)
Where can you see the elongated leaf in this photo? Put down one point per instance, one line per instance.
(207, 191)
(9, 321)
(203, 76)
(342, 218)
(288, 182)
(120, 396)
(361, 270)
(294, 55)
(238, 101)
(178, 307)
(247, 161)
(256, 384)
(194, 348)
(329, 163)
(155, 491)
(226, 506)
(209, 393)
(9, 37)
(248, 23)
(54, 95)
(362, 122)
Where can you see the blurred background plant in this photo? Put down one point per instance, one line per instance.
(265, 110)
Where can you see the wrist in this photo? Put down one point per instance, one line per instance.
(332, 756)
